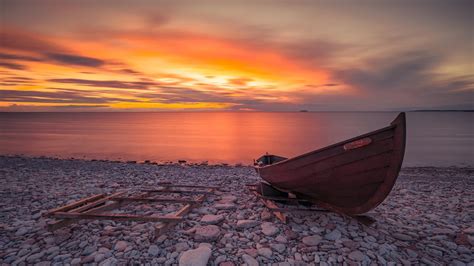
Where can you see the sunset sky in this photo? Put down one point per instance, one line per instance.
(236, 55)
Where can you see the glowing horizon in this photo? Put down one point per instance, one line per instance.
(170, 57)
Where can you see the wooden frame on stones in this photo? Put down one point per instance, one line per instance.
(95, 207)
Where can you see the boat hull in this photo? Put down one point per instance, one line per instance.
(352, 176)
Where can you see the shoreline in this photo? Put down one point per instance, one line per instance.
(187, 163)
(427, 218)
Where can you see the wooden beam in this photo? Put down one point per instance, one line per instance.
(123, 217)
(177, 191)
(97, 202)
(75, 204)
(163, 227)
(54, 225)
(270, 204)
(162, 199)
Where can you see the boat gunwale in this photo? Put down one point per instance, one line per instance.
(328, 147)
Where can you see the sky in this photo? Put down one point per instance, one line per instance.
(229, 55)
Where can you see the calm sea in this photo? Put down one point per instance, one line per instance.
(434, 138)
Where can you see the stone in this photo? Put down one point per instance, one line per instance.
(281, 239)
(212, 219)
(311, 240)
(356, 255)
(76, 261)
(225, 206)
(120, 246)
(244, 224)
(333, 235)
(99, 257)
(35, 256)
(265, 252)
(181, 246)
(402, 237)
(22, 231)
(280, 248)
(228, 199)
(269, 229)
(89, 250)
(195, 257)
(153, 250)
(249, 260)
(265, 215)
(226, 263)
(207, 233)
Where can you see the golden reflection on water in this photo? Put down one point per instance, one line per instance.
(224, 137)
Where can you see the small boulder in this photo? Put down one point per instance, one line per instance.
(249, 260)
(195, 257)
(207, 233)
(212, 219)
(269, 229)
(120, 246)
(311, 240)
(244, 224)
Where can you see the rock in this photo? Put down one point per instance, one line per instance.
(195, 257)
(226, 263)
(109, 262)
(76, 261)
(269, 229)
(469, 230)
(225, 206)
(356, 255)
(228, 199)
(181, 246)
(290, 234)
(22, 231)
(120, 246)
(153, 250)
(99, 257)
(333, 235)
(251, 251)
(249, 260)
(265, 252)
(402, 237)
(35, 256)
(311, 240)
(212, 219)
(207, 233)
(265, 215)
(244, 224)
(281, 239)
(280, 248)
(89, 250)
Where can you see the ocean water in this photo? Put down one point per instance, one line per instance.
(433, 138)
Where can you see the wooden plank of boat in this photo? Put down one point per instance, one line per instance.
(352, 176)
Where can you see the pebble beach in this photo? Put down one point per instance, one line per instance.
(428, 218)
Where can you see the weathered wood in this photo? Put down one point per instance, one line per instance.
(162, 199)
(122, 217)
(191, 186)
(351, 180)
(178, 191)
(97, 202)
(57, 224)
(163, 227)
(75, 204)
(271, 205)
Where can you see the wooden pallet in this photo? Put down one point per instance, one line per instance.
(96, 206)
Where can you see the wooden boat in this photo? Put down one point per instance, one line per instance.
(351, 177)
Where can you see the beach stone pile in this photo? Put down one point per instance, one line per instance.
(427, 219)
